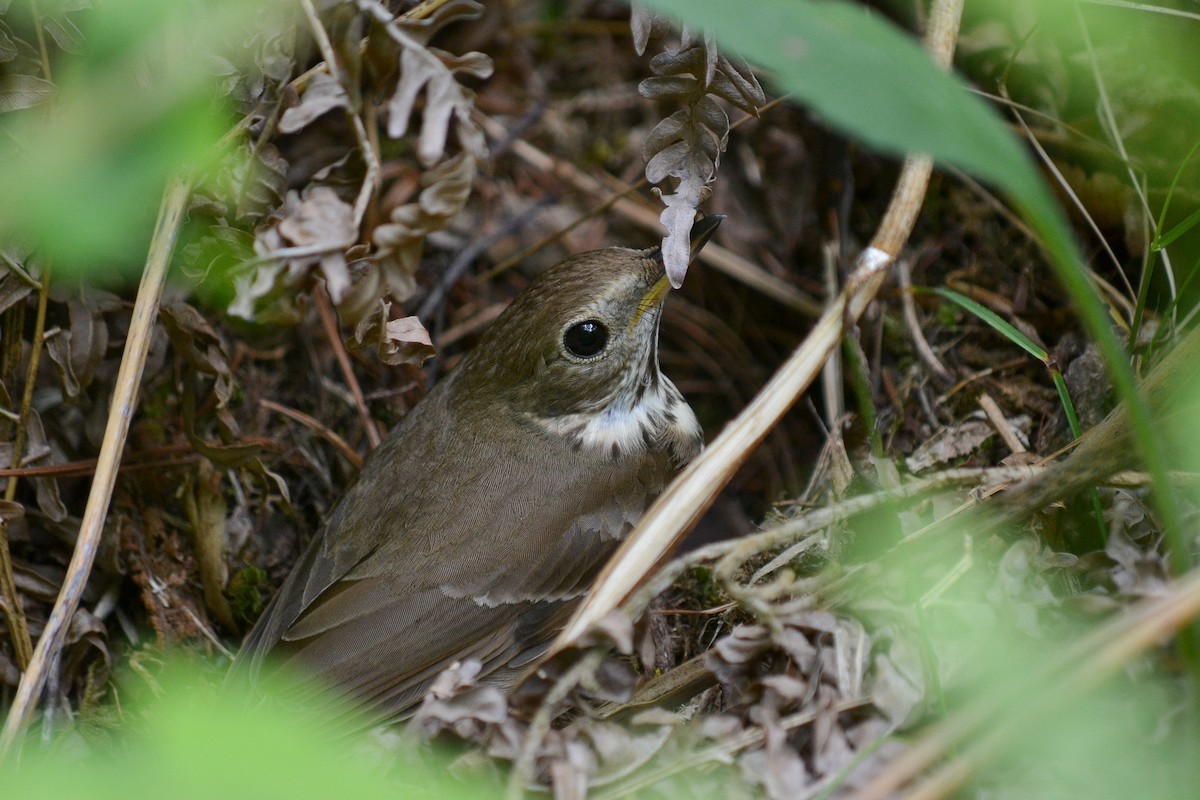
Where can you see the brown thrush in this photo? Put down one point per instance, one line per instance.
(473, 530)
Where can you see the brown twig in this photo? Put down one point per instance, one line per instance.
(166, 456)
(17, 627)
(318, 428)
(129, 378)
(909, 306)
(370, 182)
(330, 324)
(1001, 424)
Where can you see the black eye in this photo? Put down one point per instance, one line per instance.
(586, 339)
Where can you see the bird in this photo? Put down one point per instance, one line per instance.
(479, 523)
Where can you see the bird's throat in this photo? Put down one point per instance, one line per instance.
(652, 417)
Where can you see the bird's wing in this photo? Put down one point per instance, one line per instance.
(411, 573)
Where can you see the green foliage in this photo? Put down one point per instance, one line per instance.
(1010, 332)
(1046, 718)
(137, 101)
(189, 739)
(245, 592)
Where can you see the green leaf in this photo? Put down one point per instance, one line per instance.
(993, 319)
(201, 741)
(140, 101)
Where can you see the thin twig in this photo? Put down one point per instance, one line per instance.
(909, 306)
(35, 357)
(370, 182)
(17, 627)
(315, 425)
(1001, 424)
(330, 324)
(120, 415)
(832, 376)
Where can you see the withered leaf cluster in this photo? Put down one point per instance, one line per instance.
(684, 150)
(346, 210)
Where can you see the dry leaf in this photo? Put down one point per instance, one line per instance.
(322, 94)
(684, 150)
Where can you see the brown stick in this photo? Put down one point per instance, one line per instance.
(120, 414)
(17, 627)
(330, 323)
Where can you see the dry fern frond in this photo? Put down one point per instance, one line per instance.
(684, 150)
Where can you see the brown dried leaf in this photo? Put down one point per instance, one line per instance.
(397, 341)
(316, 228)
(13, 287)
(456, 702)
(49, 500)
(645, 23)
(89, 332)
(1138, 572)
(736, 83)
(434, 72)
(950, 444)
(687, 145)
(445, 189)
(195, 341)
(777, 767)
(58, 347)
(423, 28)
(322, 94)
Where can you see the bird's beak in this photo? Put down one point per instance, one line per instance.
(702, 231)
(653, 298)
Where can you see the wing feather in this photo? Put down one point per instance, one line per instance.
(411, 573)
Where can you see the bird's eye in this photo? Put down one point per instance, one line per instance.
(585, 339)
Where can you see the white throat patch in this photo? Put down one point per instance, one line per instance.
(655, 419)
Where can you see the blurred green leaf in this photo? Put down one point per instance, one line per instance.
(84, 172)
(200, 741)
